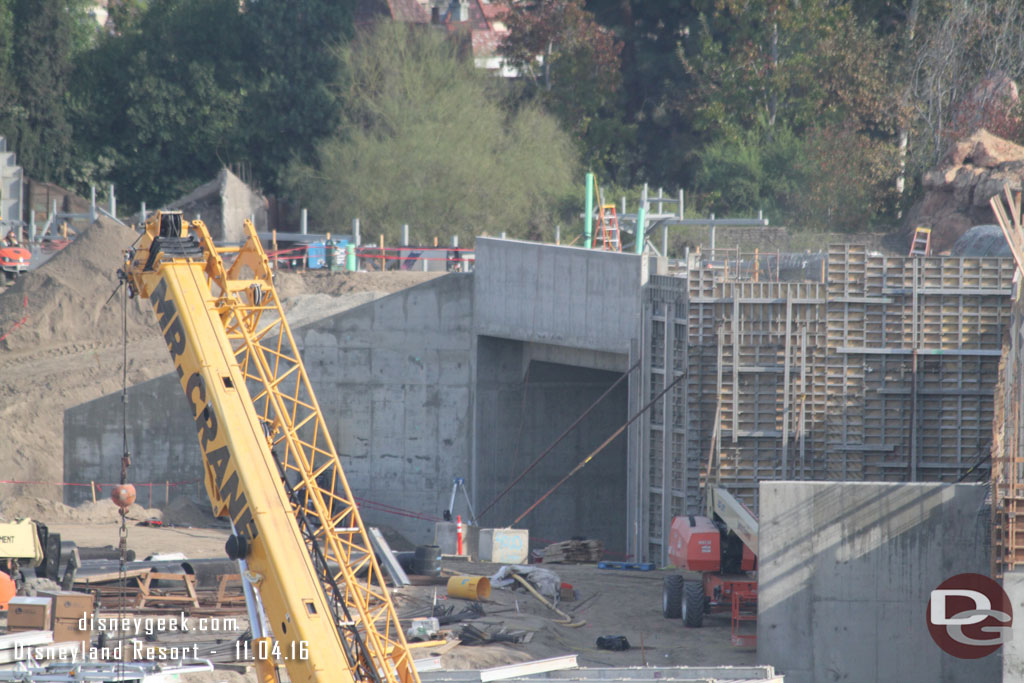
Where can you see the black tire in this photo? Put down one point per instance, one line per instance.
(672, 596)
(693, 604)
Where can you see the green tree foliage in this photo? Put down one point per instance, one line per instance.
(425, 141)
(571, 65)
(158, 107)
(290, 104)
(38, 39)
(797, 82)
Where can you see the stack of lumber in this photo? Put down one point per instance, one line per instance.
(571, 552)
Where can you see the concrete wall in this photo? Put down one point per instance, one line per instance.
(557, 295)
(394, 382)
(428, 384)
(522, 407)
(845, 574)
(223, 204)
(392, 378)
(1013, 652)
(161, 439)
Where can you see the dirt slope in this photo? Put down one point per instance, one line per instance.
(69, 350)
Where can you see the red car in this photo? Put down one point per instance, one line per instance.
(13, 260)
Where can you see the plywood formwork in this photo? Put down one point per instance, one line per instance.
(883, 371)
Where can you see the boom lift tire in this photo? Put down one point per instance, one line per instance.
(672, 596)
(693, 604)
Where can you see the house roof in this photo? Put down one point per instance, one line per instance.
(486, 43)
(408, 11)
(493, 12)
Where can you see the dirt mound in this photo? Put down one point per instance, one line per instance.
(64, 300)
(295, 283)
(53, 512)
(186, 512)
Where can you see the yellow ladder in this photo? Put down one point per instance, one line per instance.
(921, 245)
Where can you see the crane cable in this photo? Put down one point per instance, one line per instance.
(600, 448)
(122, 597)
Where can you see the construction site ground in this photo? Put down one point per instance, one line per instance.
(611, 602)
(61, 345)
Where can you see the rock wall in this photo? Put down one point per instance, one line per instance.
(957, 191)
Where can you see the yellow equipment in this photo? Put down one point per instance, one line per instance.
(270, 465)
(20, 545)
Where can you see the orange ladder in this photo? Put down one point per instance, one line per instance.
(608, 225)
(921, 245)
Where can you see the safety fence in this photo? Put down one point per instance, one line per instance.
(341, 256)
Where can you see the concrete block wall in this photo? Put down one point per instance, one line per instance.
(846, 571)
(392, 377)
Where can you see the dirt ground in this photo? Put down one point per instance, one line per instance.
(62, 343)
(611, 602)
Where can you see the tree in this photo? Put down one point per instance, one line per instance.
(159, 105)
(425, 142)
(43, 36)
(960, 73)
(291, 104)
(572, 66)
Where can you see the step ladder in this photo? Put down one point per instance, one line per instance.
(921, 245)
(608, 228)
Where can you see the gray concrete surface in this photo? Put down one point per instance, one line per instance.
(846, 571)
(522, 407)
(392, 378)
(223, 204)
(566, 296)
(1013, 652)
(429, 384)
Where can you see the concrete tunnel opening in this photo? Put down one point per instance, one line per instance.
(523, 406)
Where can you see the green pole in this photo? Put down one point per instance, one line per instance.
(640, 229)
(588, 216)
(350, 258)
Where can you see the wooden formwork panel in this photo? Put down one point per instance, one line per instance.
(823, 375)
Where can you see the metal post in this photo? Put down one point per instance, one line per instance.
(304, 222)
(142, 213)
(712, 235)
(588, 215)
(355, 232)
(641, 220)
(455, 241)
(502, 234)
(785, 386)
(92, 204)
(558, 234)
(31, 225)
(113, 201)
(405, 234)
(803, 401)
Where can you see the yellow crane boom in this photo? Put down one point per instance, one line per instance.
(269, 462)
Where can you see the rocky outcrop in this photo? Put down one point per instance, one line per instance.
(958, 189)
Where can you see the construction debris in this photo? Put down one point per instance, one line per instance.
(573, 552)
